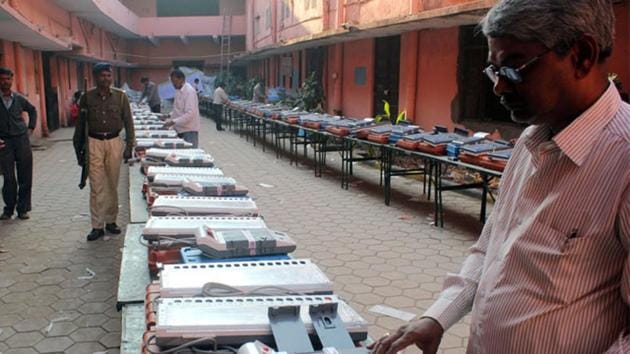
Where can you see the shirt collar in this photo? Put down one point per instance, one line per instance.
(535, 136)
(98, 92)
(577, 139)
(7, 97)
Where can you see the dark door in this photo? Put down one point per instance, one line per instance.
(315, 62)
(52, 104)
(386, 74)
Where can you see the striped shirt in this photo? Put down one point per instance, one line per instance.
(550, 272)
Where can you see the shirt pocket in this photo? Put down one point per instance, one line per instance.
(113, 110)
(566, 256)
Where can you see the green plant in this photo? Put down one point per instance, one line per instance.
(311, 95)
(402, 116)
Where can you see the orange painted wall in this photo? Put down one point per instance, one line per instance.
(26, 65)
(157, 75)
(620, 61)
(437, 77)
(357, 99)
(53, 20)
(408, 83)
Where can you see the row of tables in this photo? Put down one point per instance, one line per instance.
(257, 128)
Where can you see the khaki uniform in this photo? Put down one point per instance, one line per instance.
(106, 117)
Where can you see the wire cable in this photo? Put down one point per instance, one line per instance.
(212, 289)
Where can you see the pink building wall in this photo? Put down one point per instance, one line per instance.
(156, 75)
(357, 99)
(170, 49)
(436, 77)
(26, 65)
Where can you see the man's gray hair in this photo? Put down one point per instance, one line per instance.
(557, 24)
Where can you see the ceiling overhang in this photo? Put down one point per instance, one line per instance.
(110, 15)
(16, 28)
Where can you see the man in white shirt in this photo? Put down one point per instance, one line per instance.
(185, 116)
(259, 92)
(218, 100)
(551, 270)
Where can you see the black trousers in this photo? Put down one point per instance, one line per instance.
(156, 109)
(17, 156)
(218, 114)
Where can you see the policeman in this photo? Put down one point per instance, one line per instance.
(104, 112)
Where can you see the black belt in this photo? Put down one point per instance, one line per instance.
(103, 136)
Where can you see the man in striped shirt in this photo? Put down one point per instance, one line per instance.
(551, 270)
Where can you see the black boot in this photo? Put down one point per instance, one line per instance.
(112, 228)
(95, 234)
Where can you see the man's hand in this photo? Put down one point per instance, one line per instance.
(425, 333)
(169, 123)
(2, 144)
(128, 154)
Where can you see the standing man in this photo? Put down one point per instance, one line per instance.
(259, 92)
(185, 115)
(105, 112)
(15, 149)
(551, 270)
(220, 98)
(151, 95)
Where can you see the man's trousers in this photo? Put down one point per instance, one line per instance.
(105, 160)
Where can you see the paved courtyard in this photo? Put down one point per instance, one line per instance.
(58, 292)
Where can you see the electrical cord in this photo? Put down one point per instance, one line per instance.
(173, 241)
(212, 289)
(165, 208)
(188, 345)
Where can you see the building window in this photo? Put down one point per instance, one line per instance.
(310, 4)
(170, 8)
(286, 7)
(268, 18)
(477, 101)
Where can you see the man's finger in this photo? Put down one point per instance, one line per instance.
(385, 343)
(401, 343)
(379, 347)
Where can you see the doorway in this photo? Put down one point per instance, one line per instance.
(386, 74)
(50, 93)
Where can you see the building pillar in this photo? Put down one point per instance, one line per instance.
(408, 85)
(341, 12)
(39, 72)
(18, 69)
(336, 75)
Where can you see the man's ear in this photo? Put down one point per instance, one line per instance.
(585, 54)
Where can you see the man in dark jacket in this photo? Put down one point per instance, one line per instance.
(15, 153)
